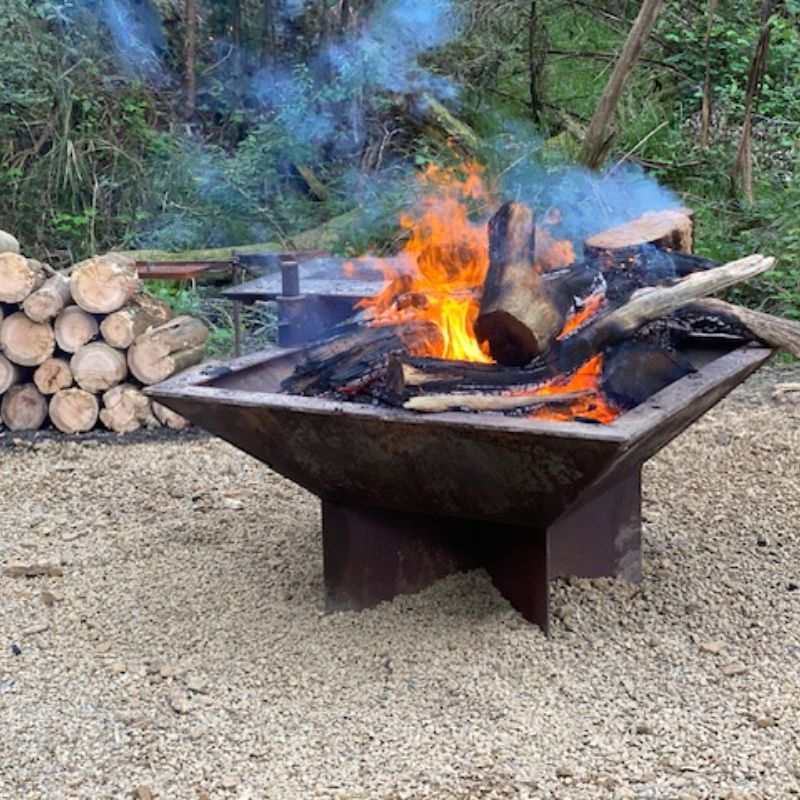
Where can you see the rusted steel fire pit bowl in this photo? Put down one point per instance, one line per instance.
(409, 498)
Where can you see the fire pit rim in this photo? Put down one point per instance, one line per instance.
(197, 384)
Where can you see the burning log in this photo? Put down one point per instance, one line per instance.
(104, 284)
(666, 230)
(26, 342)
(74, 328)
(74, 410)
(97, 367)
(123, 327)
(10, 374)
(24, 408)
(649, 304)
(170, 348)
(49, 300)
(52, 376)
(437, 403)
(126, 409)
(19, 276)
(521, 313)
(634, 371)
(773, 331)
(357, 357)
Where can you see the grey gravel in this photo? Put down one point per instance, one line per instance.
(184, 652)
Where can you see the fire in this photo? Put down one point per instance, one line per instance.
(444, 264)
(590, 308)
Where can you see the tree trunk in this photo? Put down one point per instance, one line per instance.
(705, 110)
(19, 276)
(126, 409)
(121, 328)
(97, 367)
(168, 349)
(74, 328)
(10, 374)
(600, 136)
(521, 313)
(24, 408)
(268, 45)
(52, 376)
(168, 418)
(26, 342)
(74, 410)
(49, 301)
(190, 57)
(536, 51)
(104, 284)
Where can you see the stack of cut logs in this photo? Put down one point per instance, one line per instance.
(77, 348)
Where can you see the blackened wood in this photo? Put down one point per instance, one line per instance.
(521, 314)
(634, 371)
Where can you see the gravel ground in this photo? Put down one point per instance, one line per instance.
(184, 652)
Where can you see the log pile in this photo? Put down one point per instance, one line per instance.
(651, 294)
(78, 348)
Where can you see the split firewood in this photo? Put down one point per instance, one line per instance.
(74, 328)
(52, 376)
(672, 229)
(646, 305)
(104, 284)
(435, 403)
(19, 276)
(783, 334)
(126, 409)
(74, 410)
(167, 349)
(634, 371)
(10, 374)
(123, 327)
(26, 342)
(169, 418)
(521, 312)
(357, 356)
(24, 408)
(97, 367)
(49, 300)
(406, 373)
(8, 243)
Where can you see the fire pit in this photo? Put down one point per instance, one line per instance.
(409, 498)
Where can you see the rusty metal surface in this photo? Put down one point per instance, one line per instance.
(182, 271)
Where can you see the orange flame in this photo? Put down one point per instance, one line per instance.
(442, 268)
(590, 308)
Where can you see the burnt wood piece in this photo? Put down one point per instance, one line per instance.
(634, 371)
(644, 306)
(353, 358)
(736, 320)
(520, 312)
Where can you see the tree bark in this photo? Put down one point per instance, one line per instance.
(521, 313)
(52, 376)
(126, 409)
(705, 109)
(536, 51)
(74, 410)
(24, 408)
(190, 57)
(19, 276)
(599, 136)
(672, 229)
(74, 328)
(121, 328)
(49, 300)
(97, 367)
(104, 284)
(168, 349)
(26, 342)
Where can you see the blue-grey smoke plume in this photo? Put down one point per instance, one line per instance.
(138, 38)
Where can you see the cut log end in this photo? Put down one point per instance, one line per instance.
(74, 410)
(19, 276)
(169, 418)
(24, 408)
(74, 328)
(52, 376)
(123, 327)
(26, 342)
(97, 367)
(49, 300)
(105, 283)
(126, 409)
(168, 349)
(10, 374)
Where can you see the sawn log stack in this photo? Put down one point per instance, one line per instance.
(77, 348)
